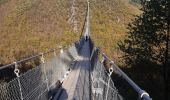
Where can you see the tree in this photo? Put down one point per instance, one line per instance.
(147, 37)
(167, 55)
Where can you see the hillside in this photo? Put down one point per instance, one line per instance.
(135, 43)
(28, 27)
(109, 24)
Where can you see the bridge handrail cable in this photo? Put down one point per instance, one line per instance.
(142, 94)
(27, 59)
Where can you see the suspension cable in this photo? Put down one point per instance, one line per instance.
(27, 59)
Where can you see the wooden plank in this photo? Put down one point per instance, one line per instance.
(77, 84)
(67, 84)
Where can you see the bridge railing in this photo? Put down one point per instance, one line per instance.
(143, 95)
(102, 86)
(42, 81)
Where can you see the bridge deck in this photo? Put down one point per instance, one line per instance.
(76, 85)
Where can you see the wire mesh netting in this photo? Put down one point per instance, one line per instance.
(102, 85)
(41, 82)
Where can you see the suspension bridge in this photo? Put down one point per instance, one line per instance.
(77, 73)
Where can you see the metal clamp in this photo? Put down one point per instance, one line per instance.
(115, 69)
(61, 51)
(16, 70)
(108, 84)
(110, 71)
(55, 53)
(42, 58)
(112, 62)
(142, 93)
(103, 59)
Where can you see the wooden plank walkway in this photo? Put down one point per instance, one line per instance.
(77, 85)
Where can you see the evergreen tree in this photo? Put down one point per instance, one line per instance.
(147, 36)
